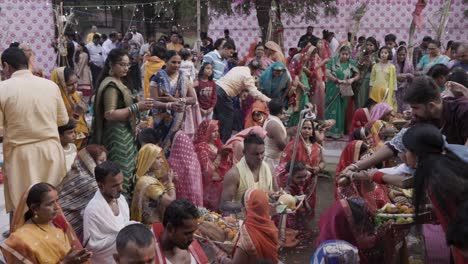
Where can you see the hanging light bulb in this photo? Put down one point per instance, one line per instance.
(98, 8)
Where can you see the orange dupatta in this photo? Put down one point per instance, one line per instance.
(259, 233)
(258, 106)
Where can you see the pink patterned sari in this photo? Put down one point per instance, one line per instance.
(184, 161)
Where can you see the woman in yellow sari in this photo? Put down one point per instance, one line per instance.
(67, 81)
(40, 233)
(154, 189)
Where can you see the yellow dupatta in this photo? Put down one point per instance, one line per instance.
(33, 244)
(148, 187)
(152, 66)
(71, 100)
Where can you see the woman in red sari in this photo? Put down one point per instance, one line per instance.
(208, 146)
(351, 220)
(258, 236)
(316, 73)
(309, 152)
(360, 118)
(376, 195)
(297, 185)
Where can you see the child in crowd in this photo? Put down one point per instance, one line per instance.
(187, 66)
(206, 91)
(67, 138)
(383, 81)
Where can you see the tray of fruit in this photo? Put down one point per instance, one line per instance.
(399, 214)
(223, 231)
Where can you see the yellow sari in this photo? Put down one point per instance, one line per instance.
(375, 129)
(32, 243)
(71, 100)
(383, 84)
(148, 189)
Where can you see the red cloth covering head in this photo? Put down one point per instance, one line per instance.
(204, 132)
(360, 118)
(260, 227)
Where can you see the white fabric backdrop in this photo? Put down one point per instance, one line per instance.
(382, 17)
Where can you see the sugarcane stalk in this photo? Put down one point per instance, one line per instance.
(411, 35)
(444, 19)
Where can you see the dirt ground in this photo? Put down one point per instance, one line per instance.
(303, 252)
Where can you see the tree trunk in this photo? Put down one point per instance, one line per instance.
(148, 12)
(263, 8)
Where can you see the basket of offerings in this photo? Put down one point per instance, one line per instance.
(223, 231)
(401, 214)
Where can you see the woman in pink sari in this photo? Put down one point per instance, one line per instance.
(234, 147)
(207, 146)
(184, 161)
(381, 111)
(274, 52)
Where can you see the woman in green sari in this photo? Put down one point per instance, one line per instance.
(115, 115)
(366, 59)
(299, 92)
(275, 81)
(340, 70)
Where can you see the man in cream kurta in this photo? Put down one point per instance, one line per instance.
(31, 109)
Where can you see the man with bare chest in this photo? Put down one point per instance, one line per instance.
(176, 244)
(250, 172)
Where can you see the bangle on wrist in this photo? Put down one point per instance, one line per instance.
(133, 108)
(355, 166)
(351, 176)
(378, 177)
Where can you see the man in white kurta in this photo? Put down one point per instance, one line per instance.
(31, 110)
(105, 215)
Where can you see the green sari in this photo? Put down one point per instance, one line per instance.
(335, 104)
(117, 137)
(363, 85)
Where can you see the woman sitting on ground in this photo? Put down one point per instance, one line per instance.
(79, 185)
(310, 153)
(40, 233)
(297, 185)
(154, 189)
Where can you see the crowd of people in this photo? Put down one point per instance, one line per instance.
(112, 158)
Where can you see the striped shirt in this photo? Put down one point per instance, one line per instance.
(218, 63)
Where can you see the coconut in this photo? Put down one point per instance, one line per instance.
(288, 200)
